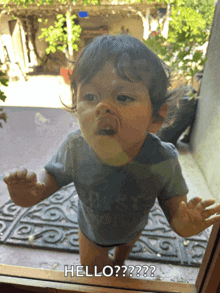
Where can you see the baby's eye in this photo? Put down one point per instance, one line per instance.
(89, 97)
(123, 98)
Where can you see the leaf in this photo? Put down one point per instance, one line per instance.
(203, 61)
(4, 81)
(197, 56)
(48, 50)
(2, 96)
(73, 16)
(60, 16)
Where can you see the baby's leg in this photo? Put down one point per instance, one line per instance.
(121, 252)
(92, 255)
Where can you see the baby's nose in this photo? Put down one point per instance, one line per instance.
(103, 108)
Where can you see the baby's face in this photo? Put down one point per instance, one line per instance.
(114, 116)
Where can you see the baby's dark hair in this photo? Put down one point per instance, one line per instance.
(133, 61)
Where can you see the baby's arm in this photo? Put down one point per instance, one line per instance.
(191, 218)
(27, 189)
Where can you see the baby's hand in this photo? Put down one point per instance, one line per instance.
(196, 214)
(192, 217)
(23, 186)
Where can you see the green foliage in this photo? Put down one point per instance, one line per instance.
(25, 3)
(57, 36)
(189, 27)
(4, 82)
(2, 95)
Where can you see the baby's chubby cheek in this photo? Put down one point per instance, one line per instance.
(85, 115)
(87, 124)
(82, 110)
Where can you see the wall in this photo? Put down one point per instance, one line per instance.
(115, 23)
(205, 138)
(18, 43)
(6, 36)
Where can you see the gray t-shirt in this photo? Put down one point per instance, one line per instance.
(114, 202)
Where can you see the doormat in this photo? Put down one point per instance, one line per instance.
(53, 223)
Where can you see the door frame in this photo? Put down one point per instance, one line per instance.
(208, 279)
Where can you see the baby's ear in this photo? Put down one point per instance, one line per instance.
(155, 126)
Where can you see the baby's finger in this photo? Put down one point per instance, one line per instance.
(6, 178)
(31, 176)
(209, 212)
(212, 221)
(192, 203)
(217, 208)
(13, 175)
(205, 203)
(22, 172)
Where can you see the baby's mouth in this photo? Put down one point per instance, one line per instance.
(107, 125)
(106, 131)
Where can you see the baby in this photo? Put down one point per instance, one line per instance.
(117, 163)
